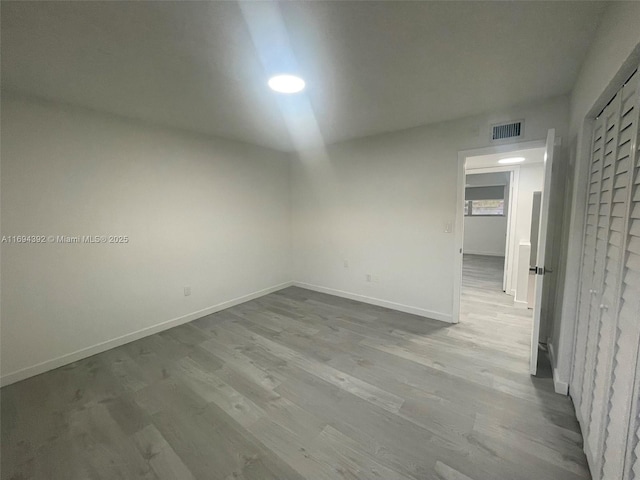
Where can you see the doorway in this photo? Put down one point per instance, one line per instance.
(487, 212)
(497, 204)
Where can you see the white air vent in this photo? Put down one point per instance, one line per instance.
(507, 131)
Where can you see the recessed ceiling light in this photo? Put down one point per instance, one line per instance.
(512, 160)
(286, 84)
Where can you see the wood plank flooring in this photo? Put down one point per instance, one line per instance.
(302, 385)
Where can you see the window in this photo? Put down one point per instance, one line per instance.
(483, 201)
(473, 208)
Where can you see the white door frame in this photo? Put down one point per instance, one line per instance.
(459, 225)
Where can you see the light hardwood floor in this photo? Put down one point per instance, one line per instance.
(302, 385)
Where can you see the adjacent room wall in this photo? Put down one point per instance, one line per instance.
(380, 206)
(485, 235)
(210, 214)
(615, 50)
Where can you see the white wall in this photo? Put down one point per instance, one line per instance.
(614, 54)
(382, 203)
(485, 235)
(211, 214)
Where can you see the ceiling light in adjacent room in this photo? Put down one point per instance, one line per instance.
(286, 84)
(511, 160)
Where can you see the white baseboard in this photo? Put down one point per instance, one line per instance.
(559, 386)
(520, 304)
(485, 254)
(443, 317)
(130, 337)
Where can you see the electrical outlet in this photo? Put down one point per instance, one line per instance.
(368, 277)
(187, 291)
(447, 227)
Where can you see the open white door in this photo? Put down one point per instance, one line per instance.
(542, 244)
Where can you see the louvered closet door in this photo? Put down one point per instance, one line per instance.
(606, 381)
(611, 116)
(588, 262)
(618, 153)
(625, 335)
(628, 338)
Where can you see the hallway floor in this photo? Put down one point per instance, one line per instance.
(488, 310)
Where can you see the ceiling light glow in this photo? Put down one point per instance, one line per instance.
(286, 84)
(511, 160)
